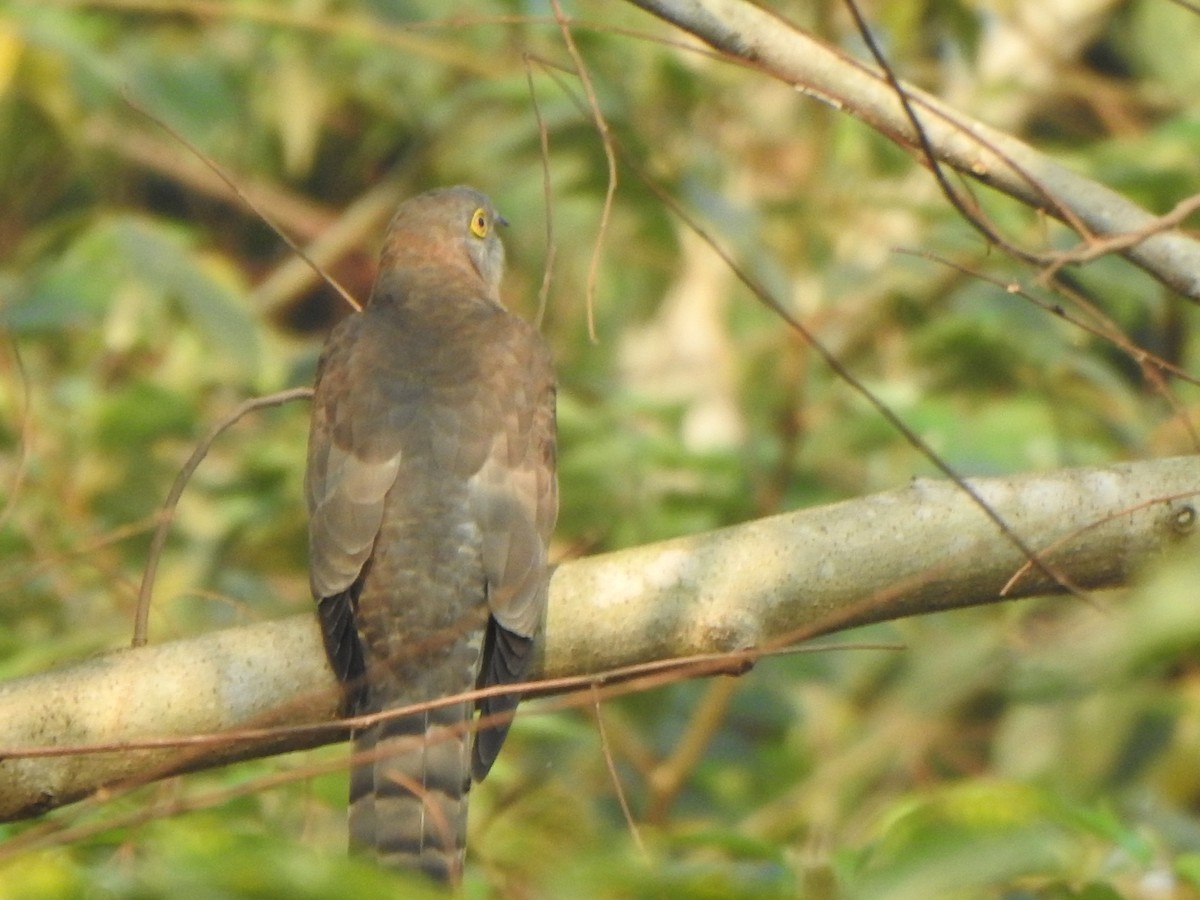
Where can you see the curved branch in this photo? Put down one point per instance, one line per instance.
(762, 585)
(141, 620)
(773, 45)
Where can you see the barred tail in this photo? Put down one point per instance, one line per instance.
(408, 798)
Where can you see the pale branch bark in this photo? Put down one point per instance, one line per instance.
(764, 584)
(773, 45)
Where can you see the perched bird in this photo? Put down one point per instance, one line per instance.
(432, 494)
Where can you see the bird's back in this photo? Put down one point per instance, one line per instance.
(431, 494)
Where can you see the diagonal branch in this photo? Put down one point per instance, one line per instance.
(764, 584)
(761, 39)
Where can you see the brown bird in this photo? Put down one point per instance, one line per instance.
(431, 493)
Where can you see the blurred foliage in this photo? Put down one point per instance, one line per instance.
(1041, 750)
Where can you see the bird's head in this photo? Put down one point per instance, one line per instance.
(454, 226)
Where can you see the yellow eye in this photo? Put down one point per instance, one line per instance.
(479, 223)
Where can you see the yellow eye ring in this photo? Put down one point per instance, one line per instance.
(479, 223)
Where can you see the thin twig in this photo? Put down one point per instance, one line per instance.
(142, 616)
(610, 157)
(751, 35)
(241, 195)
(1152, 365)
(1107, 330)
(606, 752)
(1095, 247)
(964, 202)
(602, 686)
(630, 678)
(547, 193)
(1072, 535)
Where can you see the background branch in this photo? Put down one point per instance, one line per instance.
(763, 584)
(773, 45)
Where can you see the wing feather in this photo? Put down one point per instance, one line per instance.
(354, 456)
(514, 499)
(514, 495)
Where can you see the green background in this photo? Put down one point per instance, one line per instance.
(1041, 749)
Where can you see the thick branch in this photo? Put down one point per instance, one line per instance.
(923, 548)
(772, 44)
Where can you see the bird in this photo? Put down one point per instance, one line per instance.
(432, 493)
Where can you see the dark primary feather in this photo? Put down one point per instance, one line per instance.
(506, 660)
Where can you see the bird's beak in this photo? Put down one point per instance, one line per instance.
(500, 220)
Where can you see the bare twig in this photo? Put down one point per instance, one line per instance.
(1107, 329)
(142, 616)
(638, 676)
(613, 776)
(241, 195)
(1151, 364)
(343, 233)
(610, 157)
(1093, 247)
(754, 36)
(304, 217)
(551, 247)
(1185, 518)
